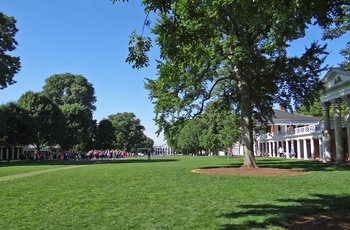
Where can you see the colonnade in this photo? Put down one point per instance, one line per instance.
(304, 148)
(338, 125)
(12, 153)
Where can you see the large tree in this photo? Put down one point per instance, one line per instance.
(76, 98)
(48, 122)
(249, 39)
(128, 131)
(70, 88)
(9, 65)
(17, 129)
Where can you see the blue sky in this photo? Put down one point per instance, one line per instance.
(90, 37)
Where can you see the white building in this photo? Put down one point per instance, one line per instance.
(310, 137)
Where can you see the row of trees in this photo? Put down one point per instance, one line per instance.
(62, 114)
(211, 131)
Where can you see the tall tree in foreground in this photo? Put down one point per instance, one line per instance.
(247, 38)
(9, 65)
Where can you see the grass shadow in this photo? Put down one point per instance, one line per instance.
(307, 166)
(283, 215)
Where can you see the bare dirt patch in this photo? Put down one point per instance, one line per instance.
(337, 220)
(250, 172)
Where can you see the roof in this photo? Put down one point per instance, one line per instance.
(282, 117)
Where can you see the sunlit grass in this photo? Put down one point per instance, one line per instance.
(164, 194)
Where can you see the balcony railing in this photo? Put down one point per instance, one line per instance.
(292, 132)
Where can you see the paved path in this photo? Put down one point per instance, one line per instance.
(21, 175)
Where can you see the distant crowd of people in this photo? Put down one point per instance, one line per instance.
(90, 155)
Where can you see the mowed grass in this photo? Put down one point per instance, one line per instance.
(164, 194)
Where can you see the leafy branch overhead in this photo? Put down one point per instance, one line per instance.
(139, 46)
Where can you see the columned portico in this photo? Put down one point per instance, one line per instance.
(336, 90)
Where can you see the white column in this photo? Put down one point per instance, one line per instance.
(287, 149)
(347, 119)
(320, 146)
(292, 147)
(339, 146)
(327, 149)
(13, 153)
(7, 153)
(305, 150)
(312, 148)
(1, 152)
(299, 149)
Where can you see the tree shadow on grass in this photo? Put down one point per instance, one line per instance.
(307, 166)
(83, 162)
(302, 164)
(281, 216)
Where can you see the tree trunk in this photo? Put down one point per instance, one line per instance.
(247, 125)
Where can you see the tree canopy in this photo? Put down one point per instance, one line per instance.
(17, 129)
(128, 131)
(246, 39)
(48, 122)
(9, 65)
(70, 88)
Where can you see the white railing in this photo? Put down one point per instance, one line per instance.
(292, 132)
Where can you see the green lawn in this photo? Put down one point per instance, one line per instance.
(164, 194)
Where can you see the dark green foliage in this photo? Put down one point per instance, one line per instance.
(76, 98)
(128, 131)
(69, 88)
(48, 122)
(18, 125)
(77, 124)
(105, 135)
(9, 65)
(340, 25)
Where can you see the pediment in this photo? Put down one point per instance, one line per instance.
(335, 77)
(336, 84)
